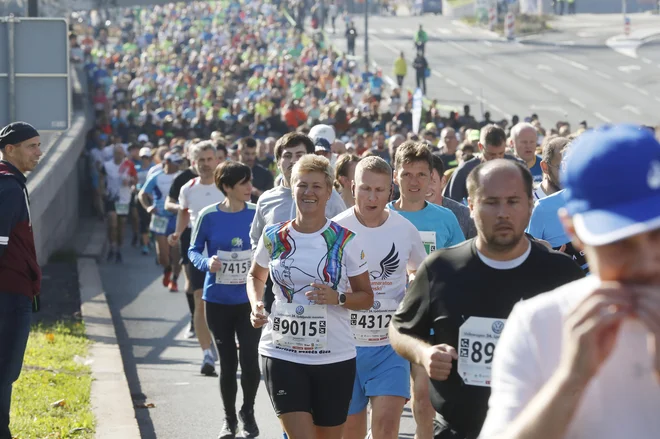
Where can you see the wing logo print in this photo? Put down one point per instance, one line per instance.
(388, 265)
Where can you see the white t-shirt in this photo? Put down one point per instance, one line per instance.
(322, 333)
(621, 401)
(195, 196)
(116, 176)
(539, 192)
(394, 248)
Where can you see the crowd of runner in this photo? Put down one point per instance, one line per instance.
(288, 188)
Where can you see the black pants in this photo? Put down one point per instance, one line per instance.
(399, 80)
(351, 47)
(421, 81)
(224, 321)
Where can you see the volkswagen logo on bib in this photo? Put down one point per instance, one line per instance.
(234, 255)
(300, 309)
(376, 304)
(498, 327)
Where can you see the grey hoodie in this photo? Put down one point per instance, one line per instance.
(276, 205)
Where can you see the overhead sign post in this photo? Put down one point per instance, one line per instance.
(35, 72)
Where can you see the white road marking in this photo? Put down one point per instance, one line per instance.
(578, 103)
(575, 64)
(387, 30)
(451, 82)
(545, 68)
(603, 118)
(632, 109)
(550, 88)
(629, 85)
(637, 89)
(467, 91)
(475, 67)
(488, 43)
(444, 31)
(629, 69)
(647, 61)
(465, 49)
(603, 75)
(496, 64)
(499, 110)
(522, 75)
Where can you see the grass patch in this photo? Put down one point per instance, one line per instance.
(458, 3)
(51, 374)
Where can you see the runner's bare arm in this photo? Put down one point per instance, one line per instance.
(409, 347)
(256, 283)
(362, 297)
(171, 205)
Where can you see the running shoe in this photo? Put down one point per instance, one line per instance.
(191, 331)
(174, 288)
(166, 278)
(145, 249)
(228, 429)
(208, 365)
(250, 428)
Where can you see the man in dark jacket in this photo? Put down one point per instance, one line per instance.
(420, 65)
(20, 275)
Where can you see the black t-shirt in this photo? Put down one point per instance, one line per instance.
(179, 181)
(262, 179)
(453, 285)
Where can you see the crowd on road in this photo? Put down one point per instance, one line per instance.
(364, 264)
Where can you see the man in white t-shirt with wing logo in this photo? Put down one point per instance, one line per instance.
(396, 249)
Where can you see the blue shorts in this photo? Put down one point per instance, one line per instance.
(379, 371)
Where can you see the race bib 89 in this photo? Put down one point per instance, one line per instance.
(477, 339)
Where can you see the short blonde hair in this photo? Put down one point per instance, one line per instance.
(313, 163)
(374, 164)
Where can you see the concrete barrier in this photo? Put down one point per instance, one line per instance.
(54, 186)
(460, 11)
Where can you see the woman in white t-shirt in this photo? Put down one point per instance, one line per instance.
(319, 271)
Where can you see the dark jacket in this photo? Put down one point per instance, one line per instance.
(19, 270)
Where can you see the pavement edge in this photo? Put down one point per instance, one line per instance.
(111, 400)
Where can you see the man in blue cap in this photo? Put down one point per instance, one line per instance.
(583, 361)
(20, 275)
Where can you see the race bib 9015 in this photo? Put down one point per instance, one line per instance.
(477, 339)
(300, 327)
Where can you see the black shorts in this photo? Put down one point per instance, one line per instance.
(195, 277)
(323, 390)
(144, 217)
(184, 245)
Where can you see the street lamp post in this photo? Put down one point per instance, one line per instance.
(366, 33)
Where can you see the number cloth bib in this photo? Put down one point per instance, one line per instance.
(235, 267)
(372, 326)
(300, 327)
(478, 337)
(158, 224)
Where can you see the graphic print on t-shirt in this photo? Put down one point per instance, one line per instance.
(388, 265)
(281, 245)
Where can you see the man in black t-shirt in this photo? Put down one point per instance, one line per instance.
(462, 296)
(172, 205)
(262, 179)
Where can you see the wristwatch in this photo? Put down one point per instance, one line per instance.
(342, 299)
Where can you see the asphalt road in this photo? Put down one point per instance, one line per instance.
(569, 74)
(162, 367)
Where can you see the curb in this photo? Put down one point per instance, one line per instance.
(110, 396)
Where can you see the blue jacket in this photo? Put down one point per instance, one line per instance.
(19, 270)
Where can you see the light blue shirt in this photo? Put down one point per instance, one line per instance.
(434, 223)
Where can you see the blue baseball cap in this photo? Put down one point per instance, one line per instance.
(612, 181)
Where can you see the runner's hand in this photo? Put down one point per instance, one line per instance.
(258, 316)
(151, 209)
(214, 264)
(591, 330)
(648, 311)
(323, 295)
(437, 361)
(173, 239)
